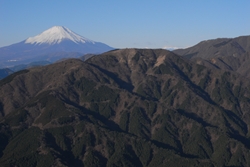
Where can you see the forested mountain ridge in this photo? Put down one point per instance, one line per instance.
(220, 47)
(129, 107)
(222, 53)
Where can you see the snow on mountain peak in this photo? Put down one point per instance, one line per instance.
(56, 35)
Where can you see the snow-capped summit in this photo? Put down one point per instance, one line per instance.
(51, 45)
(56, 35)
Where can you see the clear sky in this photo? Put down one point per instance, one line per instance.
(127, 23)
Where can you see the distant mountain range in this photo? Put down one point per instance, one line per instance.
(51, 45)
(5, 72)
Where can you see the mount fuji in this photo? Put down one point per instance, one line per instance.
(51, 45)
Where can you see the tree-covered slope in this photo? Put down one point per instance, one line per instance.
(130, 107)
(222, 53)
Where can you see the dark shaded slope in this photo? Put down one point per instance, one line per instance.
(223, 53)
(220, 47)
(131, 107)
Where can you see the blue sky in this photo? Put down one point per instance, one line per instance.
(127, 24)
